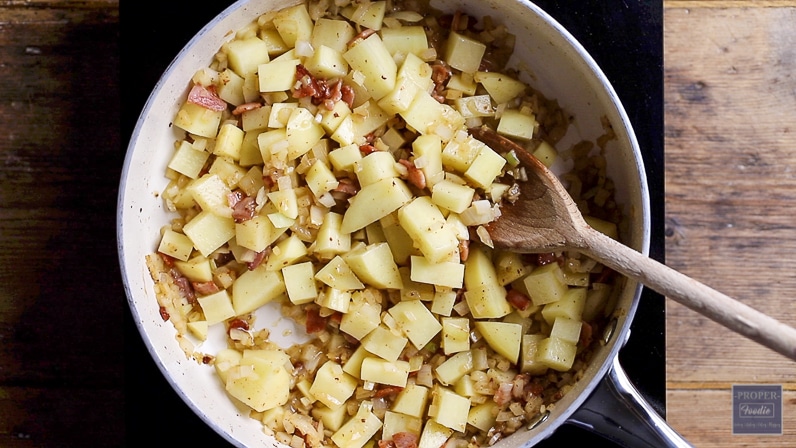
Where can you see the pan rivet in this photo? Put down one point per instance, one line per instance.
(541, 418)
(610, 329)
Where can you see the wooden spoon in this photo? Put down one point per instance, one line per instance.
(546, 219)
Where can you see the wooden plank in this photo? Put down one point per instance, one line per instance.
(729, 101)
(705, 418)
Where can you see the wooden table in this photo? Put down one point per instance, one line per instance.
(730, 165)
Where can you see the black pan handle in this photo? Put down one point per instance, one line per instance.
(617, 411)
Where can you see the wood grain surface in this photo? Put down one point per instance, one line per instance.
(730, 105)
(730, 120)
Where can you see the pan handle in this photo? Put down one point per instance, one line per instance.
(618, 412)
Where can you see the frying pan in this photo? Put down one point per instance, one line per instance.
(603, 401)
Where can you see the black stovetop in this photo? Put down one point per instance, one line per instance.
(625, 37)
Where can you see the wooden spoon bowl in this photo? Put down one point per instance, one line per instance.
(545, 219)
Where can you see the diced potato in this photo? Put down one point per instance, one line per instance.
(570, 306)
(331, 240)
(400, 98)
(556, 354)
(332, 33)
(463, 82)
(211, 194)
(455, 367)
(362, 317)
(371, 58)
(475, 106)
(225, 359)
(331, 119)
(384, 343)
(209, 231)
(217, 307)
(455, 334)
(452, 196)
(255, 288)
(400, 242)
(368, 117)
(434, 435)
(197, 269)
(377, 370)
(415, 321)
(300, 283)
(425, 224)
(228, 141)
(566, 329)
(545, 284)
(459, 155)
(444, 273)
(546, 153)
(230, 87)
(428, 149)
(198, 120)
(320, 179)
(332, 386)
(395, 422)
(366, 14)
(463, 53)
(483, 415)
(358, 429)
(413, 290)
(334, 299)
(528, 361)
(345, 158)
(509, 266)
(602, 226)
(405, 40)
(412, 400)
(501, 87)
(504, 337)
(245, 55)
(375, 167)
(485, 296)
(258, 383)
(516, 124)
(374, 202)
(332, 419)
(228, 170)
(337, 274)
(280, 115)
(596, 300)
(294, 24)
(302, 132)
(285, 201)
(277, 75)
(175, 245)
(486, 166)
(326, 62)
(188, 160)
(353, 366)
(257, 233)
(443, 301)
(374, 265)
(285, 253)
(449, 409)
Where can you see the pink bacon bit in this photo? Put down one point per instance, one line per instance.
(207, 98)
(246, 107)
(414, 175)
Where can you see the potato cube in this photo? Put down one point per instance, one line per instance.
(367, 15)
(198, 120)
(230, 87)
(395, 422)
(412, 401)
(211, 194)
(545, 284)
(463, 82)
(400, 97)
(334, 299)
(294, 24)
(427, 150)
(258, 383)
(375, 167)
(197, 269)
(463, 53)
(285, 253)
(528, 361)
(566, 329)
(359, 429)
(374, 265)
(280, 115)
(384, 343)
(443, 301)
(225, 359)
(405, 40)
(425, 224)
(485, 296)
(546, 154)
(449, 408)
(570, 306)
(415, 321)
(320, 179)
(459, 155)
(455, 334)
(486, 166)
(277, 75)
(434, 435)
(501, 87)
(228, 141)
(377, 370)
(504, 337)
(257, 233)
(353, 366)
(302, 132)
(515, 124)
(602, 226)
(332, 33)
(217, 307)
(326, 63)
(455, 367)
(332, 419)
(255, 288)
(444, 273)
(188, 160)
(371, 58)
(337, 274)
(374, 202)
(345, 158)
(177, 245)
(362, 317)
(300, 283)
(483, 415)
(332, 386)
(209, 231)
(245, 55)
(556, 354)
(452, 196)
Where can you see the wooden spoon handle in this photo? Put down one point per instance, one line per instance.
(723, 309)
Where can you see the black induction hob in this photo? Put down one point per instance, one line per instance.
(625, 37)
